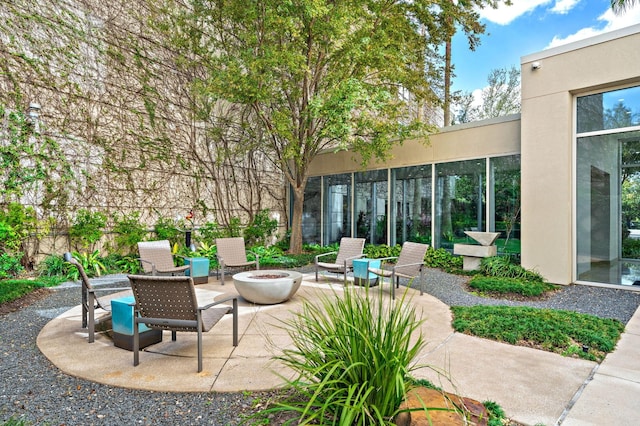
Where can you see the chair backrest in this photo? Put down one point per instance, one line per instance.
(411, 254)
(232, 250)
(165, 297)
(349, 248)
(156, 252)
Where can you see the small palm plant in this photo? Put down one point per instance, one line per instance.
(353, 355)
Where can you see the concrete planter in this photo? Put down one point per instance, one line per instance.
(267, 287)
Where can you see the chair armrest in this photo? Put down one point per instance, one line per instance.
(386, 258)
(217, 302)
(95, 290)
(324, 254)
(153, 265)
(256, 255)
(408, 264)
(354, 257)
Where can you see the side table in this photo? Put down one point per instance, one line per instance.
(198, 270)
(361, 271)
(122, 310)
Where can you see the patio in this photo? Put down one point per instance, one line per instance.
(532, 386)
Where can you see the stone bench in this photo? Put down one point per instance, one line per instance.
(472, 254)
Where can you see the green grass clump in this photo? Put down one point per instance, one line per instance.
(11, 290)
(503, 285)
(14, 289)
(352, 354)
(563, 332)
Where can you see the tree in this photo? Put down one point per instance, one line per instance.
(501, 97)
(621, 6)
(314, 75)
(454, 16)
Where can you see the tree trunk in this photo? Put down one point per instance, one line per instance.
(447, 83)
(295, 243)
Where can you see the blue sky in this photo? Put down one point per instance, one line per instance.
(529, 26)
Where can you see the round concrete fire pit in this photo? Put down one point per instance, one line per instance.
(267, 287)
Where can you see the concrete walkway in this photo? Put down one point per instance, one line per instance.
(532, 386)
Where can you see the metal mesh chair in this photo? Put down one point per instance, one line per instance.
(231, 253)
(350, 248)
(169, 303)
(90, 300)
(409, 264)
(156, 258)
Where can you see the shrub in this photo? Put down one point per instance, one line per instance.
(55, 266)
(379, 251)
(91, 262)
(128, 232)
(260, 229)
(442, 259)
(166, 229)
(87, 228)
(353, 355)
(209, 232)
(503, 266)
(631, 248)
(10, 265)
(503, 285)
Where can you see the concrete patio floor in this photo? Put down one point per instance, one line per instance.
(532, 386)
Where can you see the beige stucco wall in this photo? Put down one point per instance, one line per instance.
(601, 63)
(474, 140)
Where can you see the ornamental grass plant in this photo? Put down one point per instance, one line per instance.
(352, 354)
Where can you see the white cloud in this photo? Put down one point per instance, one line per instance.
(612, 23)
(563, 7)
(504, 15)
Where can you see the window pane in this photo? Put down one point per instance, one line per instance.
(506, 202)
(460, 201)
(311, 212)
(337, 211)
(371, 206)
(411, 202)
(609, 110)
(608, 208)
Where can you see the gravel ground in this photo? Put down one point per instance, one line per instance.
(34, 390)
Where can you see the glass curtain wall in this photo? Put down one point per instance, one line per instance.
(504, 197)
(337, 208)
(459, 200)
(411, 204)
(312, 213)
(371, 195)
(608, 187)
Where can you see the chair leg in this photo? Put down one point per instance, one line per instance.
(421, 282)
(235, 322)
(136, 342)
(316, 273)
(173, 335)
(222, 274)
(393, 287)
(199, 342)
(199, 349)
(91, 304)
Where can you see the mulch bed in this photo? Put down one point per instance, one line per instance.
(24, 301)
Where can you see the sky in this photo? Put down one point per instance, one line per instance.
(530, 26)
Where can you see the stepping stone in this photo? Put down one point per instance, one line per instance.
(458, 411)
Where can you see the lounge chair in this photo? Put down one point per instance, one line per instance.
(231, 253)
(350, 248)
(409, 264)
(156, 258)
(169, 303)
(90, 300)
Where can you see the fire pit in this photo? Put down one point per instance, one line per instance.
(267, 287)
